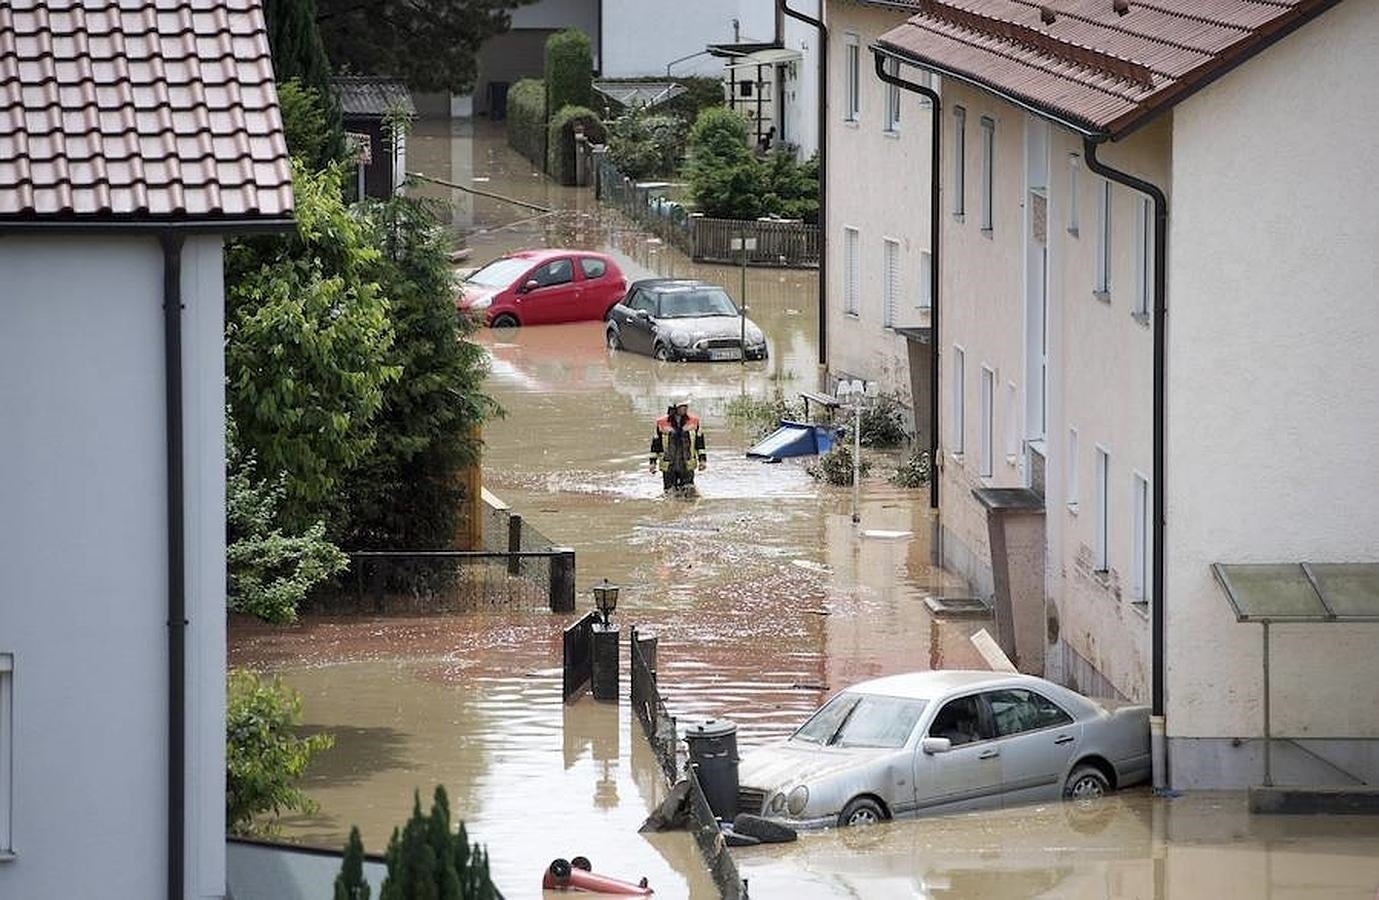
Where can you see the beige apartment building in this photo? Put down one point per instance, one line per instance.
(1157, 386)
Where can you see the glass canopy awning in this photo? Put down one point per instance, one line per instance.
(1301, 592)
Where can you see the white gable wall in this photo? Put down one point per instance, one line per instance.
(1273, 404)
(83, 587)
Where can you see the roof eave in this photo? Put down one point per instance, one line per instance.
(240, 225)
(1058, 117)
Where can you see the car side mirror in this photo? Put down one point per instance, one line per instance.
(530, 286)
(932, 745)
(643, 314)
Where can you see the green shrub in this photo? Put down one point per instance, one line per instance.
(643, 145)
(724, 175)
(560, 140)
(883, 422)
(791, 189)
(264, 757)
(913, 471)
(835, 466)
(428, 861)
(350, 883)
(569, 69)
(763, 416)
(526, 122)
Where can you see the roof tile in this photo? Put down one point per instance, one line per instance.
(139, 110)
(1100, 70)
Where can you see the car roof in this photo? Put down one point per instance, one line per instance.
(935, 684)
(541, 253)
(662, 285)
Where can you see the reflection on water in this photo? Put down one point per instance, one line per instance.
(1131, 846)
(766, 597)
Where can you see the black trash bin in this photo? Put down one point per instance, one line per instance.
(713, 750)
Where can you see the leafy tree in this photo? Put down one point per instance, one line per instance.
(269, 571)
(432, 44)
(569, 70)
(643, 145)
(307, 344)
(404, 490)
(724, 175)
(307, 125)
(427, 861)
(263, 755)
(299, 56)
(350, 883)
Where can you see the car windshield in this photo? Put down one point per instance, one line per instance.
(500, 273)
(862, 720)
(696, 302)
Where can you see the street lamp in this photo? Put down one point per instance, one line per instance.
(857, 392)
(605, 599)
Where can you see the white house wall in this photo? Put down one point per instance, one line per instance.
(1274, 413)
(83, 589)
(879, 185)
(1102, 385)
(1100, 378)
(800, 94)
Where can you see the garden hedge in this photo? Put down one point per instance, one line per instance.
(569, 69)
(526, 120)
(560, 142)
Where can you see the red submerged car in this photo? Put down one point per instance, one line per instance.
(542, 287)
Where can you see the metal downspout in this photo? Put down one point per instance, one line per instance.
(177, 587)
(879, 57)
(782, 7)
(1089, 145)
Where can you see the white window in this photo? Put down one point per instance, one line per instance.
(6, 753)
(892, 124)
(959, 402)
(850, 273)
(1074, 195)
(852, 60)
(1073, 470)
(988, 420)
(1103, 507)
(1103, 239)
(890, 259)
(926, 280)
(1139, 586)
(1144, 257)
(988, 170)
(959, 161)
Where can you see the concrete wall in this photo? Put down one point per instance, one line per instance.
(878, 184)
(638, 43)
(83, 588)
(1101, 384)
(1273, 411)
(801, 93)
(982, 297)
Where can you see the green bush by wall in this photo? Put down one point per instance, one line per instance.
(569, 69)
(526, 120)
(560, 142)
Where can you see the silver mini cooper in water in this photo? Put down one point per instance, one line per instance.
(947, 741)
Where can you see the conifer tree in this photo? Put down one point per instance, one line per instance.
(350, 883)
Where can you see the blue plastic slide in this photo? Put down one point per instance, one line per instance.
(793, 439)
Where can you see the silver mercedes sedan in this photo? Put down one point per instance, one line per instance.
(948, 741)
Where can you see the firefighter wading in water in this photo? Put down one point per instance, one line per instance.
(677, 448)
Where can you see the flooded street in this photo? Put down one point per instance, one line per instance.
(766, 598)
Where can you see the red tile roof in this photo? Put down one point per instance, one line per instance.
(1102, 66)
(139, 110)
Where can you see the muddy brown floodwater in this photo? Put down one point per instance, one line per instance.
(766, 598)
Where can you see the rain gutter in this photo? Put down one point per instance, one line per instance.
(1156, 611)
(177, 570)
(879, 56)
(783, 8)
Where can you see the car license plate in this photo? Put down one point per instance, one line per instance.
(725, 353)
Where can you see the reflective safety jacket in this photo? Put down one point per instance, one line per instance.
(677, 447)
